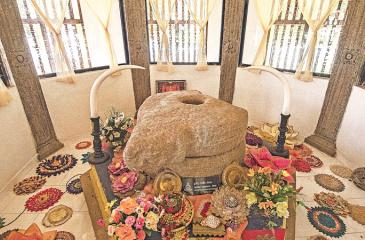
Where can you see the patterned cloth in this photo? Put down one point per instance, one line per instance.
(56, 165)
(74, 187)
(29, 185)
(43, 200)
(329, 182)
(326, 221)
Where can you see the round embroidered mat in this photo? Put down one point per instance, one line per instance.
(313, 161)
(62, 235)
(29, 185)
(358, 213)
(326, 221)
(83, 145)
(74, 187)
(43, 200)
(57, 216)
(56, 165)
(335, 202)
(301, 165)
(341, 171)
(329, 182)
(358, 177)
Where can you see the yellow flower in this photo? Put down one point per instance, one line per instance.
(265, 170)
(266, 205)
(151, 221)
(274, 188)
(282, 209)
(251, 172)
(286, 174)
(251, 198)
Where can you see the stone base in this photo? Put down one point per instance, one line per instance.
(322, 143)
(48, 148)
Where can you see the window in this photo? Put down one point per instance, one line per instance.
(183, 34)
(82, 35)
(290, 35)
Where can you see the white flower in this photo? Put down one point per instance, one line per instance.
(111, 230)
(116, 134)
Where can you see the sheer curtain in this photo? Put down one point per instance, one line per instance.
(162, 10)
(267, 11)
(201, 10)
(54, 23)
(315, 13)
(102, 11)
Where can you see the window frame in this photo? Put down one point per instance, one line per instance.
(218, 63)
(243, 65)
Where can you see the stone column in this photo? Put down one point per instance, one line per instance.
(26, 79)
(136, 24)
(233, 19)
(345, 74)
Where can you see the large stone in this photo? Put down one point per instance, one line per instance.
(188, 132)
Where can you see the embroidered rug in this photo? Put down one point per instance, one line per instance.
(83, 145)
(326, 221)
(43, 200)
(301, 165)
(313, 161)
(358, 213)
(56, 165)
(57, 215)
(29, 185)
(85, 157)
(358, 177)
(335, 202)
(341, 171)
(74, 187)
(329, 182)
(62, 235)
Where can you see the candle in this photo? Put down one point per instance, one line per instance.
(99, 81)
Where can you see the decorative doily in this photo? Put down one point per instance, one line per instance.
(74, 187)
(318, 237)
(29, 185)
(57, 216)
(301, 165)
(329, 182)
(358, 213)
(43, 200)
(62, 235)
(358, 177)
(326, 221)
(341, 171)
(313, 161)
(299, 151)
(83, 145)
(335, 202)
(56, 165)
(253, 140)
(5, 234)
(85, 157)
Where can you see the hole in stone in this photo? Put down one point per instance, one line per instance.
(192, 101)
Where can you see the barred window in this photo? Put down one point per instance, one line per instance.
(183, 33)
(289, 38)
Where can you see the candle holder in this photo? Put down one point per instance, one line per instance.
(279, 149)
(98, 156)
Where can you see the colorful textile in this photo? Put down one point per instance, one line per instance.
(74, 187)
(313, 161)
(263, 158)
(329, 182)
(29, 185)
(341, 171)
(257, 234)
(43, 200)
(56, 165)
(83, 145)
(301, 165)
(326, 221)
(62, 235)
(299, 151)
(335, 202)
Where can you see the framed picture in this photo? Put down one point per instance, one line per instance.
(170, 85)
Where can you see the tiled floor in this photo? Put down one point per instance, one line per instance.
(80, 224)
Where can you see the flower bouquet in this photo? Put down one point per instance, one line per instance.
(134, 218)
(267, 196)
(117, 129)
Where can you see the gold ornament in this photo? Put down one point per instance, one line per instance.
(167, 182)
(234, 176)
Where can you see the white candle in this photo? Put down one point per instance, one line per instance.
(99, 81)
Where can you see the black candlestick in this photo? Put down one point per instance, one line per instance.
(279, 149)
(99, 156)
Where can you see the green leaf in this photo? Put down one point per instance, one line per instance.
(2, 222)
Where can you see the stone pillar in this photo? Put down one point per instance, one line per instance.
(136, 24)
(233, 20)
(345, 74)
(26, 79)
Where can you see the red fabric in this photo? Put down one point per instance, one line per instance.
(252, 234)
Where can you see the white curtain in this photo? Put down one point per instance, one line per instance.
(267, 11)
(162, 10)
(54, 22)
(102, 10)
(315, 13)
(201, 10)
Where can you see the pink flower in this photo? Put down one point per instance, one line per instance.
(130, 220)
(116, 216)
(141, 235)
(139, 223)
(100, 222)
(125, 182)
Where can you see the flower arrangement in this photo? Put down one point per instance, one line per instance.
(134, 218)
(117, 128)
(269, 190)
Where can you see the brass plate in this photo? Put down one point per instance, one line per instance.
(234, 176)
(166, 182)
